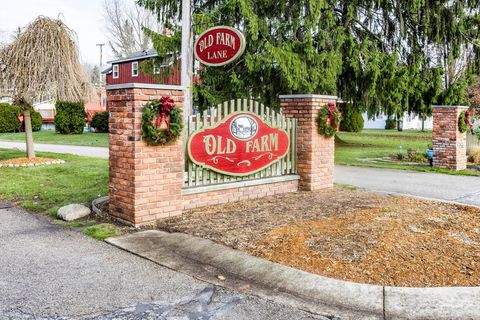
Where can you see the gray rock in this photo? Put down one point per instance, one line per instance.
(73, 212)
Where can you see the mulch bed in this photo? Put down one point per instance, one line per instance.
(350, 235)
(27, 162)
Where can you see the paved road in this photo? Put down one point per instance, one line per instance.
(51, 272)
(57, 148)
(461, 189)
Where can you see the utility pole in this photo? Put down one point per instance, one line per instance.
(187, 57)
(100, 45)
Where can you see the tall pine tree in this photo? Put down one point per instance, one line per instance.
(383, 56)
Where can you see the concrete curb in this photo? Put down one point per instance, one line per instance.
(196, 256)
(97, 201)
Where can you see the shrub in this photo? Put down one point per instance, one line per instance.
(418, 157)
(352, 120)
(474, 155)
(415, 156)
(100, 121)
(9, 119)
(70, 117)
(390, 124)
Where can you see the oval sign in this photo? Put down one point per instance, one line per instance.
(240, 145)
(219, 45)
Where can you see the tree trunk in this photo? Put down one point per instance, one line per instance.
(423, 123)
(29, 133)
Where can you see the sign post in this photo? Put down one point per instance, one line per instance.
(187, 57)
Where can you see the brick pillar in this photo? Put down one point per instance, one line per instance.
(315, 153)
(145, 182)
(449, 144)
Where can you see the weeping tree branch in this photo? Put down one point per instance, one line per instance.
(43, 63)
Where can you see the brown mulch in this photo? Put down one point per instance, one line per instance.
(351, 235)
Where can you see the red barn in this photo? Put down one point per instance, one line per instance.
(127, 70)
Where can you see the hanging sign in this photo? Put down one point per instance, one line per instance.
(240, 145)
(219, 45)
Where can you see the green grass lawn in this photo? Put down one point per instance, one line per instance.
(351, 148)
(50, 136)
(47, 188)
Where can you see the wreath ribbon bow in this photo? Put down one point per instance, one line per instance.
(331, 116)
(166, 106)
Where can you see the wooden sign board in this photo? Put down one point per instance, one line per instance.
(239, 145)
(219, 46)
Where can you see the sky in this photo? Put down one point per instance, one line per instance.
(85, 17)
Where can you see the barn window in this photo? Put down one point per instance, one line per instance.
(115, 71)
(135, 69)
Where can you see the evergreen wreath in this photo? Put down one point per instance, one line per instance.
(464, 122)
(162, 122)
(328, 120)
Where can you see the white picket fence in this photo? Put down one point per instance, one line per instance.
(472, 141)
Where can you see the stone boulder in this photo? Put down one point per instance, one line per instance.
(73, 212)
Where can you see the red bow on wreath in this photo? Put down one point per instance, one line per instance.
(467, 120)
(331, 117)
(166, 106)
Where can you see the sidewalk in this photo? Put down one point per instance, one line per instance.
(97, 152)
(462, 189)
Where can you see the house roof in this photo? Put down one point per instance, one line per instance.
(107, 71)
(144, 54)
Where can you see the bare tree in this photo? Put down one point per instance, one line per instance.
(42, 62)
(124, 22)
(92, 72)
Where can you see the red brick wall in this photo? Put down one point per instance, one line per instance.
(191, 201)
(449, 144)
(145, 182)
(315, 153)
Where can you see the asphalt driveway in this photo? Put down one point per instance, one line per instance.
(462, 189)
(51, 272)
(97, 152)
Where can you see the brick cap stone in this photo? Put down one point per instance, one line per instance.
(144, 86)
(456, 107)
(304, 96)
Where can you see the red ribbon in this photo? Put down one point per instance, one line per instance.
(467, 120)
(166, 106)
(331, 118)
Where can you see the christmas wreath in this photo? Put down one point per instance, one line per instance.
(464, 122)
(328, 120)
(162, 122)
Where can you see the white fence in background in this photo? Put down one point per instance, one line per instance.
(410, 122)
(472, 141)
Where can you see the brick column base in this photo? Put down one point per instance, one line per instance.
(145, 182)
(449, 144)
(315, 153)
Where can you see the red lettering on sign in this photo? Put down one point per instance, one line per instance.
(240, 145)
(219, 45)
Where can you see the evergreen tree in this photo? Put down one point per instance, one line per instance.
(383, 56)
